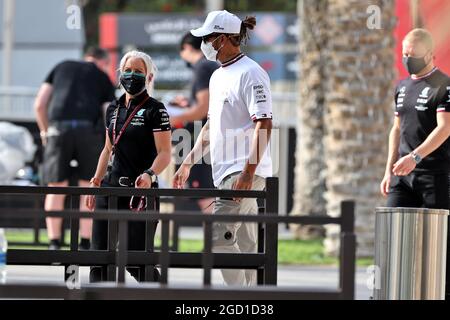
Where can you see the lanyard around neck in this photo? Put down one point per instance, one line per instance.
(127, 122)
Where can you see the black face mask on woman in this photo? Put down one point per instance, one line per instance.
(133, 82)
(414, 65)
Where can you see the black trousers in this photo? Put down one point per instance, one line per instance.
(423, 190)
(136, 238)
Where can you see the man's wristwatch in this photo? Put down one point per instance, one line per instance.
(152, 175)
(417, 159)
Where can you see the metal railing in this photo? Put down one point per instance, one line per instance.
(117, 257)
(16, 103)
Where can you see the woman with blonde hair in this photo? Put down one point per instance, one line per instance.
(137, 149)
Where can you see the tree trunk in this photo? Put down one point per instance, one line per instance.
(358, 112)
(310, 167)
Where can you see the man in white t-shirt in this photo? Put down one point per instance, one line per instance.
(236, 134)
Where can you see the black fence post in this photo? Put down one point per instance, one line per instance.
(63, 234)
(74, 230)
(207, 257)
(271, 233)
(260, 271)
(37, 223)
(149, 271)
(347, 251)
(122, 254)
(112, 239)
(175, 236)
(164, 254)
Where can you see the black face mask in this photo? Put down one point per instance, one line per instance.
(414, 65)
(132, 82)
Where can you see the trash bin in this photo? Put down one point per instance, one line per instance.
(410, 253)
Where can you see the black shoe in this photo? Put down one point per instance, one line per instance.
(84, 245)
(97, 274)
(54, 245)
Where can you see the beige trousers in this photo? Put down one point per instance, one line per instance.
(237, 237)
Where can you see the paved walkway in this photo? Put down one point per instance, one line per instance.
(300, 276)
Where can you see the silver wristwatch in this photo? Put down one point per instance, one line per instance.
(417, 159)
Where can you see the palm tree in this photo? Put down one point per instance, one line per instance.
(357, 59)
(310, 175)
(359, 104)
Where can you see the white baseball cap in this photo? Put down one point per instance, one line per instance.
(219, 22)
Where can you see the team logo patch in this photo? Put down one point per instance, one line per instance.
(423, 99)
(401, 97)
(164, 116)
(138, 119)
(421, 108)
(424, 93)
(259, 93)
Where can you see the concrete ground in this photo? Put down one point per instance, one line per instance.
(299, 276)
(325, 277)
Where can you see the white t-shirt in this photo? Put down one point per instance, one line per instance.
(239, 94)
